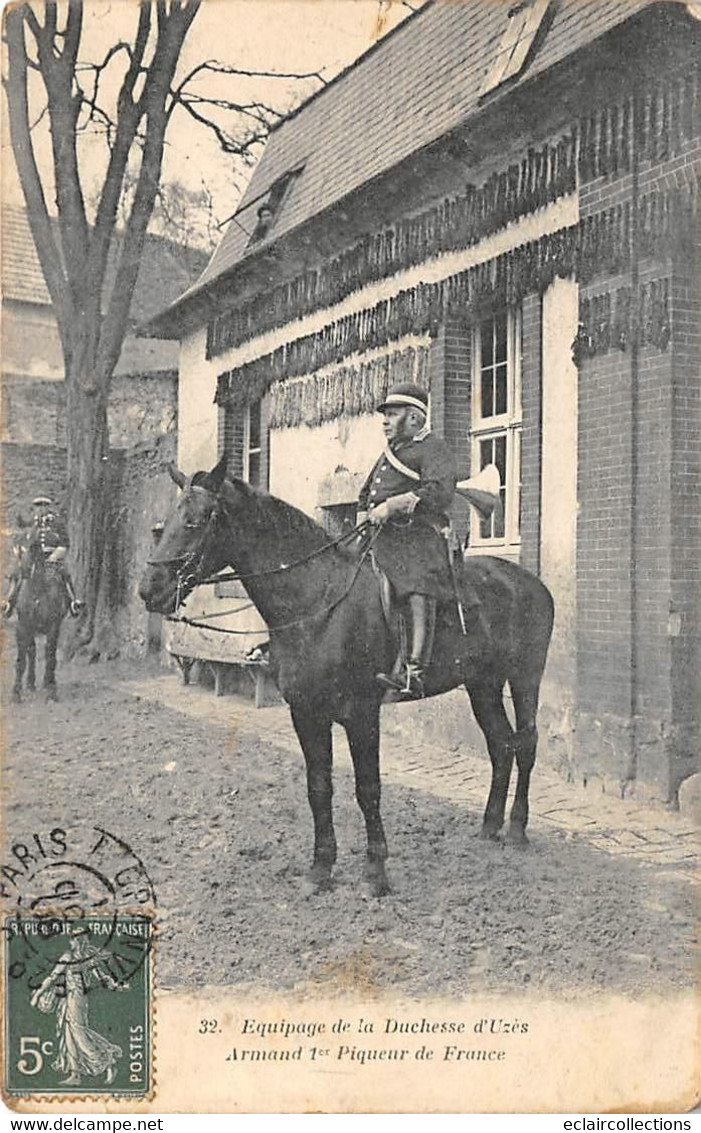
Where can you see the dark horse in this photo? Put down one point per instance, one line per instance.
(328, 639)
(41, 607)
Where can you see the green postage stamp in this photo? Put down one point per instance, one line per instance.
(78, 1005)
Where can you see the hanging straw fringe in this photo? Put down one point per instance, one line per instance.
(610, 322)
(459, 222)
(601, 145)
(598, 245)
(348, 391)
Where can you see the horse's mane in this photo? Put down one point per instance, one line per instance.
(283, 519)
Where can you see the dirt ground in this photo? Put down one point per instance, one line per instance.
(220, 818)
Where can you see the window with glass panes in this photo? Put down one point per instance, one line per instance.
(496, 423)
(252, 445)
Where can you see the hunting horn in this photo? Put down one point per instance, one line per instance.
(482, 490)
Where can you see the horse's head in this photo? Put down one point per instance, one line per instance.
(30, 552)
(187, 551)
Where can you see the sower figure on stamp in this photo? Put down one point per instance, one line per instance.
(408, 494)
(49, 530)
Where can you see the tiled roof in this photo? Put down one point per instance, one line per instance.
(166, 270)
(420, 82)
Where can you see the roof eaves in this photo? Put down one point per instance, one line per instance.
(486, 102)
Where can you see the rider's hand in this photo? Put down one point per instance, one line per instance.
(379, 514)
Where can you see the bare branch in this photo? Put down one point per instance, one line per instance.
(173, 29)
(72, 33)
(36, 28)
(128, 117)
(37, 120)
(259, 111)
(20, 136)
(213, 66)
(229, 144)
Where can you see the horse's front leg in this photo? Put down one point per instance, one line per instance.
(363, 731)
(314, 734)
(19, 665)
(31, 665)
(50, 664)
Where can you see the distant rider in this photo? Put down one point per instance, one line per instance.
(49, 530)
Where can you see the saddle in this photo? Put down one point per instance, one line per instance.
(463, 612)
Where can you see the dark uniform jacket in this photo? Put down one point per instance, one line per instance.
(51, 532)
(410, 548)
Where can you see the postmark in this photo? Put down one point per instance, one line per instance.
(78, 1004)
(78, 964)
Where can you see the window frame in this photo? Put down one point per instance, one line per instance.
(511, 56)
(255, 450)
(508, 424)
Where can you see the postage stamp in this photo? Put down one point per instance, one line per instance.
(78, 1004)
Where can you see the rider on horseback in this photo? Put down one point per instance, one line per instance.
(49, 531)
(408, 494)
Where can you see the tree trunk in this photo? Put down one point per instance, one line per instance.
(86, 426)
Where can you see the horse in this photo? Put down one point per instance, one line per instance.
(41, 606)
(329, 638)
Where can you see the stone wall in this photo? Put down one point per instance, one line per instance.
(140, 406)
(142, 493)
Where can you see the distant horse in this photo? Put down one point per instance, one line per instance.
(41, 607)
(329, 638)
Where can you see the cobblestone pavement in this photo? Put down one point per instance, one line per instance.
(648, 833)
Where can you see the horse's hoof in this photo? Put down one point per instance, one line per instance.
(516, 837)
(375, 883)
(51, 693)
(318, 880)
(375, 890)
(489, 833)
(16, 696)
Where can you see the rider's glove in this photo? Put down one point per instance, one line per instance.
(403, 504)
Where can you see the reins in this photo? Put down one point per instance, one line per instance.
(185, 574)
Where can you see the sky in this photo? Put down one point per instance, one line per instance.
(272, 35)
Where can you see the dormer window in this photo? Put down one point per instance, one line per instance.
(269, 207)
(524, 21)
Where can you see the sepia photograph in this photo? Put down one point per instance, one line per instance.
(351, 541)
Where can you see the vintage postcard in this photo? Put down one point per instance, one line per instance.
(350, 541)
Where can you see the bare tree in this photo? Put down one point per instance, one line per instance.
(44, 59)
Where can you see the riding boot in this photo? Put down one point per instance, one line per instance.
(423, 627)
(408, 684)
(11, 600)
(75, 603)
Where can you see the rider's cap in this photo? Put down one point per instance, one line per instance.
(407, 395)
(39, 500)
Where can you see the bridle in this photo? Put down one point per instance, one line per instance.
(188, 574)
(190, 563)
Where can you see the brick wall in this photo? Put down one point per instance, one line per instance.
(450, 367)
(685, 515)
(638, 538)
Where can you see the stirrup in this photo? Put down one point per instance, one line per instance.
(413, 685)
(392, 682)
(75, 607)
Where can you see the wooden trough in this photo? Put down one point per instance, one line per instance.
(227, 628)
